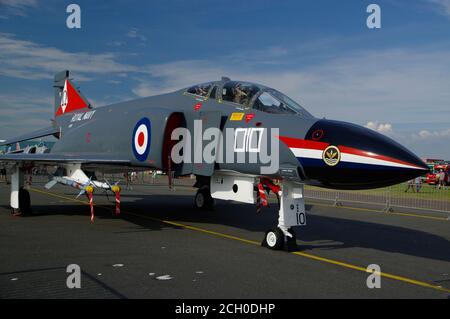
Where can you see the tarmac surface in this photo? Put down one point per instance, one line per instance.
(161, 247)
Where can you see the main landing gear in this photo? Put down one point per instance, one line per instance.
(203, 199)
(292, 213)
(20, 197)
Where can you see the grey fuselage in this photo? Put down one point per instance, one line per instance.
(109, 129)
(320, 152)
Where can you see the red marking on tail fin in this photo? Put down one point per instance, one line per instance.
(70, 100)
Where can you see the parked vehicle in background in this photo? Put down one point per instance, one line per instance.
(432, 177)
(431, 162)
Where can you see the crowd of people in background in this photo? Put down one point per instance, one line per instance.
(415, 185)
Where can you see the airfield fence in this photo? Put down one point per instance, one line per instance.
(421, 197)
(429, 197)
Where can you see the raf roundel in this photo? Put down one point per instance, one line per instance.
(141, 139)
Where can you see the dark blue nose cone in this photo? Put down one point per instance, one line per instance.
(347, 156)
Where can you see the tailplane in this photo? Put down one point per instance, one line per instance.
(67, 97)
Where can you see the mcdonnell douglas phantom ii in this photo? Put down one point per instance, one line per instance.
(238, 122)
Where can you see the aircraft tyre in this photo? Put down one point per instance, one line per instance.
(274, 239)
(24, 203)
(203, 199)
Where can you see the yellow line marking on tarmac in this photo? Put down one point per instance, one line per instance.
(252, 242)
(202, 230)
(420, 216)
(59, 196)
(377, 211)
(383, 274)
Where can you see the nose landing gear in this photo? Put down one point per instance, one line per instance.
(292, 213)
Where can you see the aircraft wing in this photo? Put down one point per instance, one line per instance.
(33, 135)
(92, 160)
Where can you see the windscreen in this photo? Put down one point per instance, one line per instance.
(274, 102)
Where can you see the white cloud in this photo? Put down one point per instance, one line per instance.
(391, 85)
(443, 6)
(29, 60)
(388, 85)
(134, 33)
(173, 76)
(145, 89)
(428, 143)
(28, 100)
(24, 112)
(385, 128)
(16, 7)
(427, 134)
(117, 43)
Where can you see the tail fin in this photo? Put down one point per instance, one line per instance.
(67, 97)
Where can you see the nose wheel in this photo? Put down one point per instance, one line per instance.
(292, 213)
(274, 239)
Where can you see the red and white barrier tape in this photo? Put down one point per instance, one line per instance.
(258, 203)
(117, 203)
(91, 204)
(262, 194)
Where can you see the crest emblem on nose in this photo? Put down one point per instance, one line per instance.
(331, 155)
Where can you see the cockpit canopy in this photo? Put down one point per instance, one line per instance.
(250, 96)
(200, 89)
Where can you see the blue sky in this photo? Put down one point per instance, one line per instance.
(395, 79)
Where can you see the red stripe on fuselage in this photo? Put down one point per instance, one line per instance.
(313, 145)
(299, 143)
(355, 151)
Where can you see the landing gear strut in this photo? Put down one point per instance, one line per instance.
(203, 199)
(20, 197)
(292, 213)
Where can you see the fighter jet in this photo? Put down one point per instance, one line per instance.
(240, 140)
